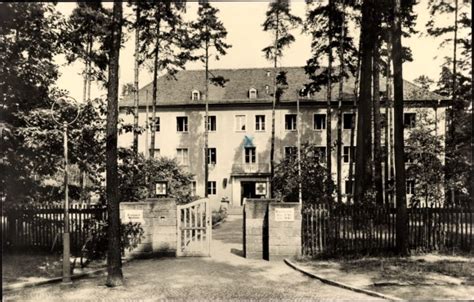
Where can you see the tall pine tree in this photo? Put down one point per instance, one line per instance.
(163, 41)
(114, 255)
(208, 33)
(280, 22)
(327, 24)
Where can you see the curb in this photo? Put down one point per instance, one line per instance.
(13, 287)
(342, 285)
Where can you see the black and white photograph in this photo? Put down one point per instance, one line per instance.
(222, 150)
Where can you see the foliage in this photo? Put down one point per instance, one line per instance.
(32, 145)
(322, 22)
(137, 174)
(424, 82)
(208, 32)
(96, 245)
(313, 176)
(423, 149)
(34, 152)
(29, 41)
(162, 28)
(87, 36)
(455, 82)
(281, 22)
(219, 215)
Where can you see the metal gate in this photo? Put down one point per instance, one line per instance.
(194, 229)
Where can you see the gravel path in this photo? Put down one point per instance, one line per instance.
(224, 276)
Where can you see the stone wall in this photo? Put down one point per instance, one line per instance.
(158, 219)
(284, 230)
(272, 230)
(255, 243)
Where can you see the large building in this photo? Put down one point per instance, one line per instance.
(240, 116)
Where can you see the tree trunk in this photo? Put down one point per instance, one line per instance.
(400, 182)
(206, 123)
(89, 71)
(339, 109)
(377, 131)
(155, 89)
(328, 108)
(353, 129)
(135, 90)
(363, 167)
(114, 260)
(388, 125)
(275, 90)
(454, 106)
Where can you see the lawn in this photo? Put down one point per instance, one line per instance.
(28, 266)
(19, 267)
(417, 277)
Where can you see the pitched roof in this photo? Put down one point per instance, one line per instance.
(178, 91)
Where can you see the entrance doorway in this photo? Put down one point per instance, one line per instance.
(248, 190)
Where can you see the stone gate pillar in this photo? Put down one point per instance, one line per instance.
(284, 230)
(157, 217)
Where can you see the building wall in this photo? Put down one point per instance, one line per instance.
(230, 143)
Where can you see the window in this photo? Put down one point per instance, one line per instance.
(409, 120)
(193, 188)
(182, 123)
(319, 121)
(211, 123)
(157, 124)
(211, 156)
(250, 155)
(267, 89)
(253, 93)
(157, 153)
(348, 120)
(348, 187)
(291, 152)
(196, 95)
(348, 154)
(211, 188)
(290, 122)
(260, 123)
(321, 153)
(240, 121)
(410, 187)
(182, 156)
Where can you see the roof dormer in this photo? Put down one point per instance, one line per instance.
(195, 95)
(253, 94)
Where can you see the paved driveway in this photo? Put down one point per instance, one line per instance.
(224, 276)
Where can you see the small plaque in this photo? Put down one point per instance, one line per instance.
(261, 188)
(160, 189)
(284, 214)
(133, 216)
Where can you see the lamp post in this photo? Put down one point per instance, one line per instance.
(66, 237)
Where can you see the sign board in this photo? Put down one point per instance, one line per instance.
(261, 188)
(160, 188)
(132, 215)
(284, 214)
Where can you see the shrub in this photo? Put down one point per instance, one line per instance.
(138, 174)
(96, 244)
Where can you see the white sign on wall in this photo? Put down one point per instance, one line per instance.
(284, 214)
(133, 216)
(261, 188)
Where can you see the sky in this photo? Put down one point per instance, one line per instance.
(243, 21)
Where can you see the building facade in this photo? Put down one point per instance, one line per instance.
(240, 125)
